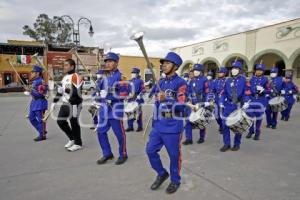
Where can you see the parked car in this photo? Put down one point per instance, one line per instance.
(88, 85)
(12, 87)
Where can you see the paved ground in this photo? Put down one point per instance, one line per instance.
(268, 169)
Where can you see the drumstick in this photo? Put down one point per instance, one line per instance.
(145, 131)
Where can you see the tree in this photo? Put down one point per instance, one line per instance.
(46, 29)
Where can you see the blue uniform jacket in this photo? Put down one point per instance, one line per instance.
(138, 89)
(256, 95)
(290, 89)
(38, 92)
(175, 89)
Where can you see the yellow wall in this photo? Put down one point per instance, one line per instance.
(5, 67)
(126, 63)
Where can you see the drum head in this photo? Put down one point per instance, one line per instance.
(194, 116)
(130, 107)
(234, 117)
(276, 100)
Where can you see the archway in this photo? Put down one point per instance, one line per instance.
(210, 64)
(185, 67)
(270, 60)
(227, 62)
(271, 57)
(296, 70)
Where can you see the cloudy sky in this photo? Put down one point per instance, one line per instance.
(166, 23)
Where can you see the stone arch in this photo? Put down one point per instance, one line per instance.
(245, 61)
(184, 66)
(210, 64)
(279, 59)
(295, 64)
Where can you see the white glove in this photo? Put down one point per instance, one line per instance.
(295, 96)
(103, 94)
(52, 106)
(260, 88)
(290, 91)
(222, 106)
(27, 93)
(206, 104)
(60, 90)
(272, 91)
(282, 92)
(138, 97)
(246, 105)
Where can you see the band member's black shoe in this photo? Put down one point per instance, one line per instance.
(225, 148)
(268, 126)
(200, 141)
(104, 159)
(92, 128)
(158, 181)
(273, 127)
(172, 188)
(129, 129)
(286, 119)
(256, 137)
(249, 135)
(187, 142)
(139, 129)
(121, 160)
(235, 148)
(38, 139)
(282, 118)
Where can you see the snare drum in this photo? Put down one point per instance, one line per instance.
(200, 118)
(239, 122)
(278, 104)
(131, 108)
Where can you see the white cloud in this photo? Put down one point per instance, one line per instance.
(167, 23)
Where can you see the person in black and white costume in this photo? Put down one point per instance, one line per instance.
(70, 92)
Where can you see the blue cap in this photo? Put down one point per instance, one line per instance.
(37, 68)
(237, 64)
(111, 56)
(198, 67)
(172, 57)
(210, 73)
(223, 70)
(260, 67)
(100, 71)
(186, 75)
(274, 70)
(135, 70)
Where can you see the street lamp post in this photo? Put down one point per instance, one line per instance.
(76, 30)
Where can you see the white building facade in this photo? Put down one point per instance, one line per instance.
(277, 44)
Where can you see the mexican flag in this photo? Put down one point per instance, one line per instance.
(23, 59)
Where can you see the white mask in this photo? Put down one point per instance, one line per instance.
(235, 71)
(273, 75)
(163, 75)
(99, 76)
(209, 77)
(197, 73)
(186, 79)
(133, 75)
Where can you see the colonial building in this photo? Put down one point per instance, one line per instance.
(277, 44)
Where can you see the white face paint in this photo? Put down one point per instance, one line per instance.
(99, 76)
(133, 75)
(197, 73)
(209, 77)
(273, 75)
(235, 71)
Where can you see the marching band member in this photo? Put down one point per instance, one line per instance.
(198, 88)
(276, 87)
(71, 107)
(259, 86)
(167, 123)
(186, 77)
(217, 89)
(112, 92)
(39, 103)
(288, 91)
(235, 93)
(137, 90)
(93, 108)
